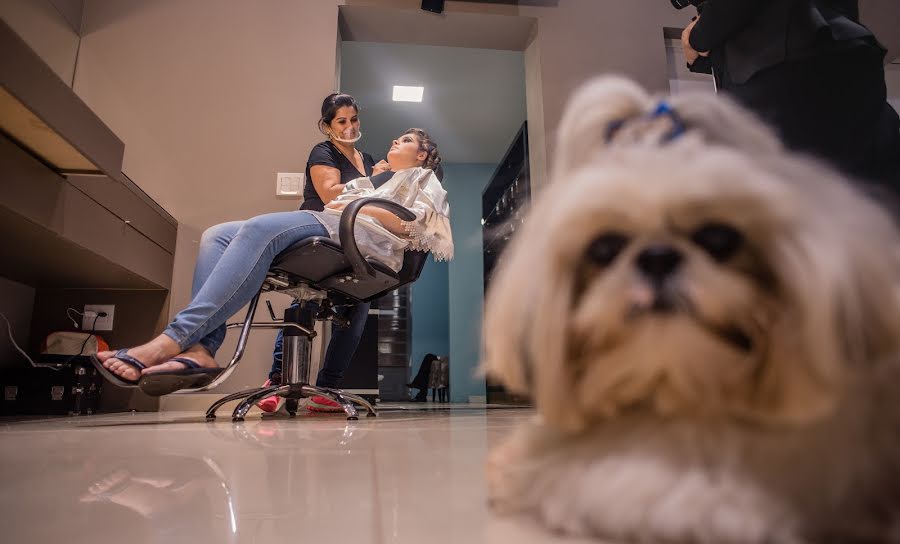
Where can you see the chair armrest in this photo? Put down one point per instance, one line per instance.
(348, 221)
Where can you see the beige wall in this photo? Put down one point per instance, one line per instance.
(212, 98)
(883, 18)
(46, 31)
(892, 82)
(581, 39)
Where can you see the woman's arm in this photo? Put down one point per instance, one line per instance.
(721, 20)
(327, 182)
(388, 220)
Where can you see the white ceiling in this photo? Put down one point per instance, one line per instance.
(414, 26)
(474, 101)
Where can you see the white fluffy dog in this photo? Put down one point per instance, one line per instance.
(709, 329)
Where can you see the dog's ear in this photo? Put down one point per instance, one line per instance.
(838, 270)
(555, 390)
(591, 116)
(525, 322)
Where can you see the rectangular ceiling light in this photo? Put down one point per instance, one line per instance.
(408, 94)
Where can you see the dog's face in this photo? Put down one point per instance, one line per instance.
(690, 281)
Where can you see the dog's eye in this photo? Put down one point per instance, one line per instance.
(606, 247)
(721, 241)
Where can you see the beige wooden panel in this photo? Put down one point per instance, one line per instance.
(23, 126)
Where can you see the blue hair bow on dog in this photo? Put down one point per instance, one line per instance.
(662, 109)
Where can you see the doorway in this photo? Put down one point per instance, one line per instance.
(473, 105)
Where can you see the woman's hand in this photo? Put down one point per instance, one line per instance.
(380, 168)
(690, 54)
(336, 205)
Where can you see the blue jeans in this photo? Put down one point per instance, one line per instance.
(231, 266)
(340, 349)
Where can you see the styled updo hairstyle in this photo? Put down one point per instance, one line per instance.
(426, 144)
(330, 105)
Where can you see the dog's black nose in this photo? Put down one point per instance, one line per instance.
(658, 262)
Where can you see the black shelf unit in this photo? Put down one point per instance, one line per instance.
(504, 203)
(505, 200)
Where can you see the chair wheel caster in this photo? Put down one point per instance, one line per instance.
(237, 419)
(290, 406)
(210, 418)
(371, 414)
(352, 418)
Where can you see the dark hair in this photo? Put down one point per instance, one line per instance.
(426, 144)
(331, 104)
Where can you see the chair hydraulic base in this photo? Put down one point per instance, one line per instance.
(292, 393)
(297, 325)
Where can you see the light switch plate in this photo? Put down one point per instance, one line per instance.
(289, 185)
(103, 323)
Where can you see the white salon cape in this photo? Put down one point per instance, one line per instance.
(416, 189)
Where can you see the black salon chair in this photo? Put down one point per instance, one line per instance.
(319, 274)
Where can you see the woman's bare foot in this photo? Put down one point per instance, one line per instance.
(156, 351)
(196, 353)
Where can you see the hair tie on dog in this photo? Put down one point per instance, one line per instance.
(645, 127)
(612, 128)
(678, 128)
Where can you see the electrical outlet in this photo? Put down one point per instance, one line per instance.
(104, 323)
(288, 185)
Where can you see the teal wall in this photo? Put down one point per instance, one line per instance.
(430, 314)
(447, 298)
(464, 184)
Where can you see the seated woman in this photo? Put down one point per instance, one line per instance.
(230, 270)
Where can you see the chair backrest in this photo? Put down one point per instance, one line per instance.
(413, 263)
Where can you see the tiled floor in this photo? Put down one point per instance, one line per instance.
(407, 476)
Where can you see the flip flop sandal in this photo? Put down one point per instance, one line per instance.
(158, 384)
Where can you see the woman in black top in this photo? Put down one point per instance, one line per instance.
(812, 71)
(336, 161)
(332, 164)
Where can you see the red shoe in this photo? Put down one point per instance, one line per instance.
(323, 404)
(270, 404)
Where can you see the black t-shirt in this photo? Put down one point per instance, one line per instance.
(381, 179)
(327, 154)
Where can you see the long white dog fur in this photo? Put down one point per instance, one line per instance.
(750, 394)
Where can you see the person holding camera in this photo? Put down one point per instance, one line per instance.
(811, 70)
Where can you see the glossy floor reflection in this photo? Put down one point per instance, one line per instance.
(407, 476)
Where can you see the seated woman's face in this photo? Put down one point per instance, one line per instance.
(405, 153)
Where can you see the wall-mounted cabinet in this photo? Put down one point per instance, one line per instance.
(504, 203)
(75, 230)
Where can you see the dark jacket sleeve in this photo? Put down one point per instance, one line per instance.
(721, 19)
